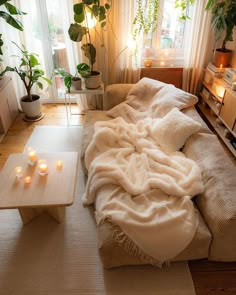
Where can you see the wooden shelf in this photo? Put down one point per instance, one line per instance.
(211, 103)
(212, 90)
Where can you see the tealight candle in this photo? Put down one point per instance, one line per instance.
(42, 167)
(147, 62)
(32, 156)
(27, 179)
(19, 171)
(59, 164)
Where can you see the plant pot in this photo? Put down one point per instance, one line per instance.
(222, 57)
(32, 109)
(76, 83)
(94, 81)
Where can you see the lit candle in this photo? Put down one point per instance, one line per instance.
(162, 63)
(27, 179)
(32, 156)
(42, 167)
(221, 66)
(147, 62)
(59, 164)
(19, 171)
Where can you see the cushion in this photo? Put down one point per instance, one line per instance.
(172, 131)
(151, 98)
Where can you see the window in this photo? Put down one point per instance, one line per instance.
(165, 46)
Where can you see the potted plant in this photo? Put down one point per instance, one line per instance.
(223, 23)
(30, 74)
(86, 12)
(70, 81)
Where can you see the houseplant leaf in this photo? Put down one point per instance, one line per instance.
(76, 32)
(11, 20)
(13, 9)
(90, 52)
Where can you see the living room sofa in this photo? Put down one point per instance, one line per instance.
(215, 237)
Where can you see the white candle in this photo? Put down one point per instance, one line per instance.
(59, 164)
(27, 179)
(32, 156)
(42, 167)
(19, 171)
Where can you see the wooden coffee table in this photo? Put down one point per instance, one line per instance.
(49, 193)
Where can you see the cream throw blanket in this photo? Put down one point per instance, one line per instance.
(146, 191)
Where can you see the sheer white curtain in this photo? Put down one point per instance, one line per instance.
(118, 62)
(196, 47)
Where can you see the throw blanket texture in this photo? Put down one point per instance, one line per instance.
(153, 99)
(146, 190)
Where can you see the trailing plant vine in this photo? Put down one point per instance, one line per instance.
(183, 5)
(146, 17)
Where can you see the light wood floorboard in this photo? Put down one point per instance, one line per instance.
(209, 277)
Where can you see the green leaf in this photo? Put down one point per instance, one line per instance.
(79, 18)
(7, 69)
(67, 82)
(107, 6)
(95, 10)
(33, 60)
(76, 32)
(84, 70)
(79, 8)
(103, 24)
(90, 52)
(13, 9)
(11, 20)
(102, 13)
(40, 85)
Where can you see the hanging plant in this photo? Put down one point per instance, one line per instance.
(183, 5)
(146, 17)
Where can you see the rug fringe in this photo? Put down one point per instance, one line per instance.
(124, 241)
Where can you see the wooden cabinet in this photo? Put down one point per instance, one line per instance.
(219, 108)
(228, 109)
(8, 105)
(167, 75)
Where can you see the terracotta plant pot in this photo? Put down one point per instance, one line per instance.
(32, 109)
(76, 83)
(222, 57)
(94, 81)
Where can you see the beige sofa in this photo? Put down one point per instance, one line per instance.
(215, 237)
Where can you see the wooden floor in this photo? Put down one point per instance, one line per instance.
(209, 277)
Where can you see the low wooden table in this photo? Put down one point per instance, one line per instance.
(50, 193)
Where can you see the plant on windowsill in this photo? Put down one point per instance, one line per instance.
(86, 12)
(223, 23)
(30, 74)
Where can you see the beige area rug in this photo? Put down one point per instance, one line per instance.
(46, 258)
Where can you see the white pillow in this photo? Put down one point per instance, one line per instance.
(172, 131)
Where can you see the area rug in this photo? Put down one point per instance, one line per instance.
(46, 258)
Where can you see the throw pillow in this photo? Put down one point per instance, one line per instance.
(172, 131)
